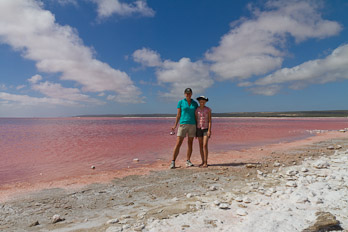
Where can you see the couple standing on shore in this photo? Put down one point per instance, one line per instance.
(195, 121)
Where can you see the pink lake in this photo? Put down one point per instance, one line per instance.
(48, 149)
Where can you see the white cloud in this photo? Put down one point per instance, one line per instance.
(176, 76)
(34, 79)
(20, 87)
(25, 100)
(67, 2)
(28, 28)
(57, 91)
(266, 90)
(332, 68)
(257, 46)
(106, 8)
(147, 57)
(182, 74)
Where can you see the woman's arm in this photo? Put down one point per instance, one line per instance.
(178, 115)
(209, 123)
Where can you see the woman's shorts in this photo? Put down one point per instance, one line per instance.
(201, 132)
(185, 129)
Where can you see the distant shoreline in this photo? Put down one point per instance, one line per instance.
(289, 114)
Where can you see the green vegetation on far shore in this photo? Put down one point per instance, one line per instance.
(290, 114)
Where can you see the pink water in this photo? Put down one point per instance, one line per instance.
(34, 150)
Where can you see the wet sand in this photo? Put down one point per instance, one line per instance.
(137, 198)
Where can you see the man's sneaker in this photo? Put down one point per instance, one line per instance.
(172, 165)
(189, 164)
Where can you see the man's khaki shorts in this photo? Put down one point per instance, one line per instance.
(185, 129)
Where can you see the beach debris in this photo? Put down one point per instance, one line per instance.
(136, 160)
(320, 164)
(36, 223)
(92, 167)
(210, 222)
(112, 221)
(224, 206)
(325, 222)
(241, 212)
(56, 218)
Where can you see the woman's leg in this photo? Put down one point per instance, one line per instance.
(205, 148)
(200, 140)
(177, 147)
(189, 147)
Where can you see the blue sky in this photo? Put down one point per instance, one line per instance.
(72, 57)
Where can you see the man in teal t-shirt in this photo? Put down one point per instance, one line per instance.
(186, 116)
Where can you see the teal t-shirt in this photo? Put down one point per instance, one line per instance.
(187, 111)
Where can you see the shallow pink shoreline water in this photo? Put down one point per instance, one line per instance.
(43, 150)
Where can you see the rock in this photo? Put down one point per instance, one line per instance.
(189, 195)
(302, 199)
(136, 160)
(224, 206)
(36, 223)
(239, 199)
(276, 164)
(213, 188)
(241, 212)
(320, 164)
(112, 221)
(216, 202)
(92, 167)
(259, 172)
(325, 222)
(338, 146)
(304, 169)
(246, 200)
(342, 131)
(114, 229)
(291, 172)
(250, 165)
(56, 218)
(291, 184)
(139, 227)
(330, 148)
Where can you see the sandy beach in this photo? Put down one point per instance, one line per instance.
(295, 186)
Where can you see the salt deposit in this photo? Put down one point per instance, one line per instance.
(319, 187)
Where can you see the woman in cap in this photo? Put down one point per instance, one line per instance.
(186, 116)
(203, 131)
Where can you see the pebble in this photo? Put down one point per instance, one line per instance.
(320, 164)
(56, 218)
(114, 229)
(139, 227)
(112, 221)
(291, 184)
(189, 195)
(224, 206)
(246, 200)
(241, 212)
(92, 167)
(239, 199)
(213, 188)
(136, 160)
